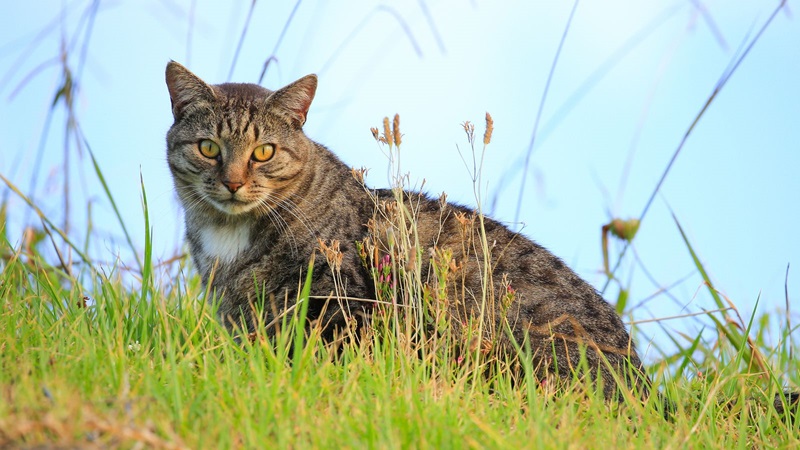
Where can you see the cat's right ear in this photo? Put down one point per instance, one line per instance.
(296, 98)
(186, 90)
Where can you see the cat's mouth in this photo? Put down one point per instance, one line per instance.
(233, 205)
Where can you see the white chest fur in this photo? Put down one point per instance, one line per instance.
(224, 243)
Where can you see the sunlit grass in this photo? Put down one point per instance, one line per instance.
(93, 356)
(122, 371)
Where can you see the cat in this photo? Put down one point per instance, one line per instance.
(260, 198)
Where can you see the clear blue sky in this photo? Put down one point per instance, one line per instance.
(630, 79)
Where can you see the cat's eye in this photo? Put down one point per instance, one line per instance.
(264, 152)
(208, 148)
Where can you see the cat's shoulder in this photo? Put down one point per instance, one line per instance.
(424, 201)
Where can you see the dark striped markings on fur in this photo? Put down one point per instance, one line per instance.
(255, 240)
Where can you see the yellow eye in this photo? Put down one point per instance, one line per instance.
(264, 152)
(208, 148)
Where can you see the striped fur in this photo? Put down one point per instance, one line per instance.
(255, 243)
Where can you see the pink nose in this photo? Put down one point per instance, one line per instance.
(233, 186)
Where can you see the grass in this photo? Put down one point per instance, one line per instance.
(123, 370)
(96, 358)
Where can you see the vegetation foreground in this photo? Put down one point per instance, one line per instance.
(99, 355)
(103, 359)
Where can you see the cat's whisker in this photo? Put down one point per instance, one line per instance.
(279, 222)
(290, 207)
(190, 195)
(285, 229)
(197, 201)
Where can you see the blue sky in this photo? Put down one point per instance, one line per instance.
(629, 81)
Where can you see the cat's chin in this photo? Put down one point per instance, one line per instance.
(234, 207)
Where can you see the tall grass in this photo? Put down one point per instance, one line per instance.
(89, 359)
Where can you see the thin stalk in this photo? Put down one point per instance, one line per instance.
(539, 111)
(726, 75)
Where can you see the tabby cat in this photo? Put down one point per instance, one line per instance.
(260, 198)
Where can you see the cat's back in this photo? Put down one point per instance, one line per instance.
(548, 295)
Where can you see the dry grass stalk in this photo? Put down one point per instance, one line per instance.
(487, 135)
(469, 128)
(396, 130)
(332, 253)
(387, 132)
(360, 173)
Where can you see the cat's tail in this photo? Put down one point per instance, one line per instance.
(788, 405)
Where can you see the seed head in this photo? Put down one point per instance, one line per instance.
(332, 253)
(487, 135)
(387, 133)
(396, 129)
(469, 128)
(358, 174)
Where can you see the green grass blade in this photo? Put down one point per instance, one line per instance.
(107, 191)
(49, 222)
(147, 267)
(299, 322)
(734, 336)
(711, 290)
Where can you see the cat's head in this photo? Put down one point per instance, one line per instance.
(236, 148)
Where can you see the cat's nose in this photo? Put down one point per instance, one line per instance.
(233, 186)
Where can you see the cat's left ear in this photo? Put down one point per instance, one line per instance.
(296, 98)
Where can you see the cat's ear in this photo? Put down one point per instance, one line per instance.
(296, 98)
(186, 90)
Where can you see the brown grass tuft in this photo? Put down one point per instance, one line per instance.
(359, 174)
